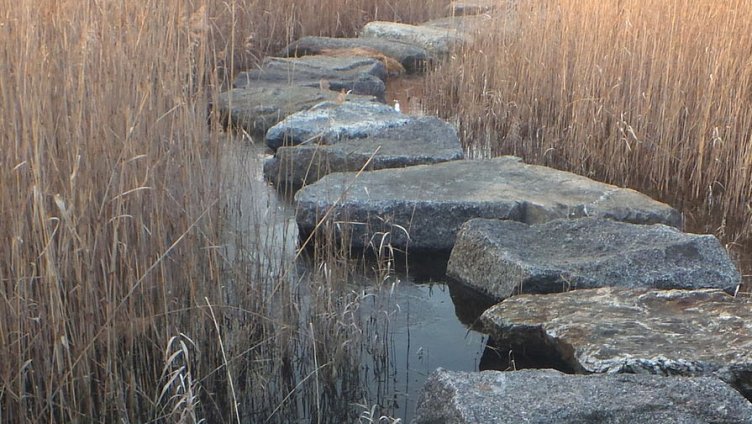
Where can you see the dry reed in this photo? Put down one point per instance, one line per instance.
(648, 94)
(121, 300)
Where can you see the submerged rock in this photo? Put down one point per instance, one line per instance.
(413, 58)
(502, 258)
(259, 107)
(417, 141)
(548, 396)
(361, 75)
(438, 41)
(616, 330)
(330, 122)
(424, 206)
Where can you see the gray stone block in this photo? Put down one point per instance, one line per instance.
(419, 141)
(694, 333)
(423, 207)
(547, 396)
(503, 258)
(360, 75)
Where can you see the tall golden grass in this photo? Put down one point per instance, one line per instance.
(117, 302)
(650, 94)
(103, 192)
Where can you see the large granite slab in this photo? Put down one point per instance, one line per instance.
(330, 122)
(437, 41)
(258, 107)
(419, 141)
(503, 258)
(361, 75)
(424, 206)
(548, 396)
(616, 330)
(413, 58)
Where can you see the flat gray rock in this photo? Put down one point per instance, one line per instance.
(472, 7)
(330, 122)
(616, 330)
(424, 206)
(361, 75)
(259, 107)
(503, 258)
(412, 57)
(438, 41)
(419, 141)
(548, 396)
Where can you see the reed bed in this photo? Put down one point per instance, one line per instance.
(648, 94)
(131, 292)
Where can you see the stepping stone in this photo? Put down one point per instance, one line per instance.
(463, 24)
(548, 396)
(412, 57)
(259, 107)
(329, 122)
(419, 141)
(503, 25)
(361, 75)
(438, 42)
(616, 330)
(503, 258)
(472, 7)
(431, 202)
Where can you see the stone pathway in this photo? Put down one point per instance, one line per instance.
(663, 332)
(548, 396)
(388, 178)
(423, 207)
(504, 258)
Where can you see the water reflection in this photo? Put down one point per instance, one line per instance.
(422, 334)
(257, 217)
(408, 321)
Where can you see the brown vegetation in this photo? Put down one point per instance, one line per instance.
(127, 294)
(648, 94)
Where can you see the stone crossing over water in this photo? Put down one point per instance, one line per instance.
(359, 75)
(258, 107)
(374, 144)
(548, 396)
(387, 178)
(421, 208)
(414, 59)
(663, 332)
(502, 258)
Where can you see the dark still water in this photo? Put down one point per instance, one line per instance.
(423, 333)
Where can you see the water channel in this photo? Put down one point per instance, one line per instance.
(417, 312)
